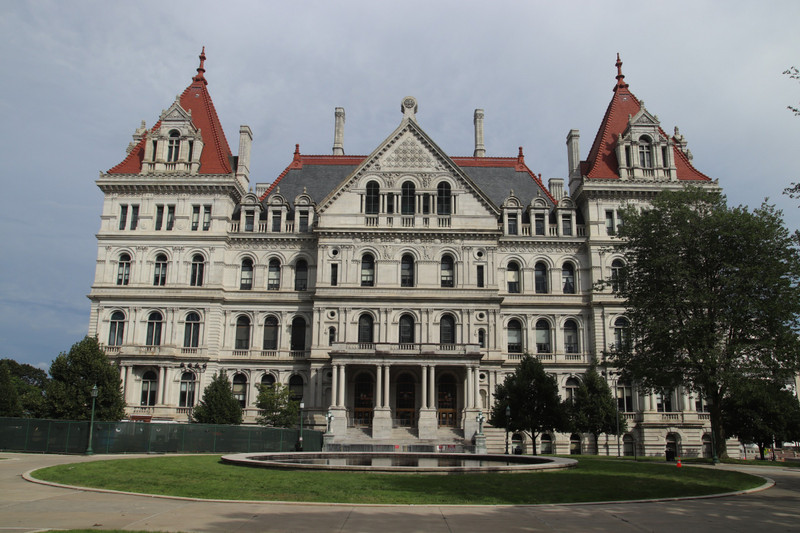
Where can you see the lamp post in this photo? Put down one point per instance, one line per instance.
(89, 450)
(300, 442)
(508, 422)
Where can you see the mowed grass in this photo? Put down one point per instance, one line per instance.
(204, 476)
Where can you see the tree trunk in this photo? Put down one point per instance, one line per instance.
(718, 434)
(533, 443)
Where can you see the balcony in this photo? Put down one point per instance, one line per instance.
(404, 348)
(552, 358)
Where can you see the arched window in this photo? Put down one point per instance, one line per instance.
(365, 328)
(301, 275)
(447, 330)
(622, 333)
(571, 388)
(198, 266)
(154, 323)
(271, 333)
(243, 333)
(149, 388)
(571, 340)
(298, 341)
(543, 336)
(645, 153)
(274, 275)
(540, 278)
(296, 388)
(160, 271)
(240, 389)
(372, 200)
(482, 338)
(247, 275)
(407, 198)
(186, 396)
(443, 199)
(617, 275)
(514, 336)
(116, 329)
(173, 146)
(191, 331)
(448, 271)
(406, 329)
(367, 270)
(267, 380)
(512, 277)
(407, 271)
(124, 269)
(568, 278)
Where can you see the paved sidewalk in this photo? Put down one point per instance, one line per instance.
(28, 507)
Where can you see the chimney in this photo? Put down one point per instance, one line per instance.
(338, 132)
(243, 164)
(574, 153)
(480, 149)
(556, 187)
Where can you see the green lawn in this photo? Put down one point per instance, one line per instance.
(204, 476)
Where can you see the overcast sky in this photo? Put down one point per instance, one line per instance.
(78, 77)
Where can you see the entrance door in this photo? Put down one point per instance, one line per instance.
(446, 404)
(363, 400)
(406, 401)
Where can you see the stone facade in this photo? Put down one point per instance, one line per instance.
(393, 290)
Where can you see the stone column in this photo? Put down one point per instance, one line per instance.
(334, 385)
(382, 415)
(378, 386)
(161, 384)
(386, 387)
(128, 383)
(342, 385)
(427, 423)
(424, 386)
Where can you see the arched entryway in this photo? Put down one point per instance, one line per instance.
(405, 401)
(547, 444)
(575, 444)
(707, 448)
(363, 400)
(673, 448)
(446, 401)
(627, 445)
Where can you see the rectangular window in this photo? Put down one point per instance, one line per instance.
(664, 402)
(170, 217)
(628, 156)
(191, 150)
(155, 146)
(538, 222)
(249, 221)
(334, 275)
(159, 217)
(303, 222)
(479, 276)
(566, 224)
(206, 217)
(195, 217)
(123, 216)
(390, 204)
(512, 224)
(664, 161)
(276, 222)
(426, 204)
(610, 226)
(134, 216)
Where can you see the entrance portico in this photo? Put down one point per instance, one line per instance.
(381, 386)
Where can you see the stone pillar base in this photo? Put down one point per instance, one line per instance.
(470, 423)
(339, 422)
(428, 424)
(480, 443)
(327, 440)
(382, 423)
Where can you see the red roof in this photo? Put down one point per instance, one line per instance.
(602, 161)
(215, 158)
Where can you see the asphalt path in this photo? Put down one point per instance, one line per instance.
(26, 507)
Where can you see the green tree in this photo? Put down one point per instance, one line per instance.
(277, 409)
(711, 294)
(218, 405)
(30, 384)
(69, 392)
(593, 409)
(532, 396)
(10, 404)
(761, 412)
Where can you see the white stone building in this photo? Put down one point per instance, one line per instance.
(394, 290)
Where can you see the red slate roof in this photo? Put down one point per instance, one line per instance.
(602, 161)
(215, 157)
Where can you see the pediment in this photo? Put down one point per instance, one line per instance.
(176, 113)
(408, 153)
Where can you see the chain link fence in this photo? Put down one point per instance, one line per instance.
(66, 436)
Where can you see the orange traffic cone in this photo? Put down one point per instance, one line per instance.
(679, 463)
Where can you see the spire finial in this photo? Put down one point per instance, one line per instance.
(201, 69)
(620, 75)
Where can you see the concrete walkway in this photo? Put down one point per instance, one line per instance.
(28, 506)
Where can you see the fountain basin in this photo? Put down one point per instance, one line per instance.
(399, 462)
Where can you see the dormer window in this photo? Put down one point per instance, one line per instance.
(173, 146)
(513, 227)
(645, 153)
